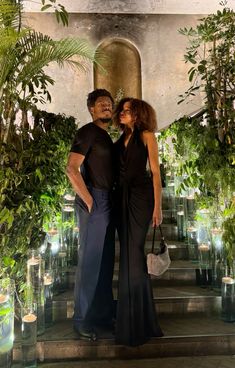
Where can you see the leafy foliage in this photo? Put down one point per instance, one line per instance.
(32, 181)
(205, 146)
(23, 56)
(32, 151)
(60, 11)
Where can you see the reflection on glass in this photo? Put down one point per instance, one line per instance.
(180, 224)
(228, 299)
(218, 264)
(48, 294)
(192, 243)
(205, 272)
(6, 321)
(35, 285)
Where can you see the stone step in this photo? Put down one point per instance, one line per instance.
(183, 336)
(170, 232)
(169, 229)
(178, 300)
(180, 272)
(205, 361)
(178, 250)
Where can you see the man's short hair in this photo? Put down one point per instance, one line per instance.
(92, 96)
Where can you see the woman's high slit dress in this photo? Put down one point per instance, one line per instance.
(136, 315)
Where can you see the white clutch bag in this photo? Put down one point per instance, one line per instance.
(158, 263)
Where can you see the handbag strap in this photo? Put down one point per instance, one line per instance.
(154, 232)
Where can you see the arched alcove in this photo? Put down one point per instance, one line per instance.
(123, 68)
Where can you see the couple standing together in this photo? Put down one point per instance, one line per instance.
(114, 190)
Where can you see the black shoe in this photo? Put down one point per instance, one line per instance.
(86, 334)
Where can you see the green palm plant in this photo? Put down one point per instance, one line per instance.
(32, 159)
(23, 55)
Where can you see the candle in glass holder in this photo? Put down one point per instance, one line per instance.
(6, 322)
(180, 224)
(228, 299)
(69, 197)
(53, 237)
(48, 295)
(35, 285)
(204, 255)
(216, 234)
(190, 206)
(192, 243)
(29, 339)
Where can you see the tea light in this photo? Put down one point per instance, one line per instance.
(29, 318)
(69, 197)
(190, 197)
(203, 247)
(62, 254)
(216, 231)
(34, 261)
(204, 211)
(228, 280)
(48, 280)
(191, 229)
(3, 298)
(68, 209)
(180, 213)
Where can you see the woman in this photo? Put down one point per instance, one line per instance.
(138, 200)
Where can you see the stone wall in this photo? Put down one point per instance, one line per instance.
(160, 46)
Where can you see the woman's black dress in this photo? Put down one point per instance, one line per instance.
(136, 316)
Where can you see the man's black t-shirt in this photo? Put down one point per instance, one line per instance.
(96, 145)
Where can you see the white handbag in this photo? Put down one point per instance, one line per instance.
(158, 263)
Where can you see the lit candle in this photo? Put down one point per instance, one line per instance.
(191, 229)
(203, 247)
(190, 197)
(3, 298)
(180, 213)
(216, 231)
(228, 280)
(204, 210)
(69, 197)
(33, 261)
(68, 209)
(29, 318)
(48, 280)
(62, 254)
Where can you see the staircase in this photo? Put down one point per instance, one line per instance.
(189, 316)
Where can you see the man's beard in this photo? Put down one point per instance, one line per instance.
(105, 120)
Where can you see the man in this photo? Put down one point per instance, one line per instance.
(90, 170)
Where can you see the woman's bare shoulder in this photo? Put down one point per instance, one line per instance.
(147, 136)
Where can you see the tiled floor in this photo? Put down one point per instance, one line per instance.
(180, 362)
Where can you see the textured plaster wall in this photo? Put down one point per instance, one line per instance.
(137, 6)
(161, 49)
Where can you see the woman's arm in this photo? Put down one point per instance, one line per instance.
(151, 143)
